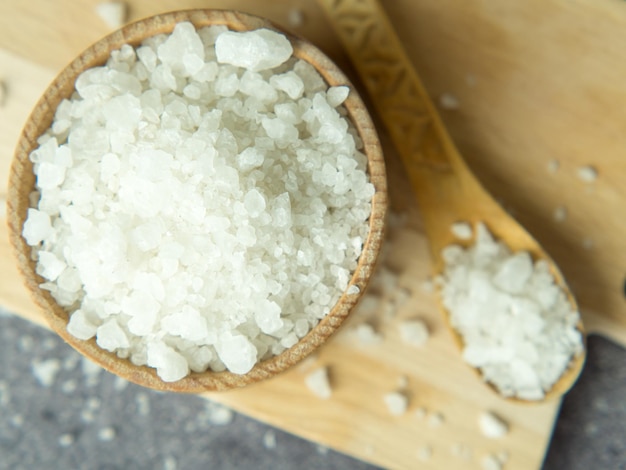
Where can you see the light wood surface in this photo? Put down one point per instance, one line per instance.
(535, 81)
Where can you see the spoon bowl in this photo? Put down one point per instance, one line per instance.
(22, 184)
(446, 190)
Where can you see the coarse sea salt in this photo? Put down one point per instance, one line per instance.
(517, 325)
(201, 201)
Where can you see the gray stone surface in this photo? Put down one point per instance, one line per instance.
(59, 411)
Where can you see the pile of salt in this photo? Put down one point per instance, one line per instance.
(201, 202)
(517, 324)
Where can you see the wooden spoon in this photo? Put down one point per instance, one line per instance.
(22, 181)
(446, 189)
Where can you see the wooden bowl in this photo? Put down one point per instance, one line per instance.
(22, 182)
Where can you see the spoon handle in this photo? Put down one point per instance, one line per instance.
(438, 174)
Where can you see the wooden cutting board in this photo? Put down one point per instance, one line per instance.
(535, 82)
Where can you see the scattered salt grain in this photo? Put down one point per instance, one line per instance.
(449, 101)
(560, 214)
(142, 401)
(414, 332)
(219, 415)
(491, 462)
(425, 453)
(169, 463)
(295, 17)
(91, 372)
(257, 50)
(396, 403)
(66, 440)
(553, 166)
(322, 450)
(436, 419)
(17, 421)
(492, 426)
(318, 383)
(176, 185)
(46, 371)
(269, 440)
(120, 384)
(25, 343)
(517, 324)
(588, 173)
(462, 230)
(366, 334)
(112, 13)
(106, 434)
(69, 386)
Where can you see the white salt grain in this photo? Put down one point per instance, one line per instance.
(588, 174)
(553, 166)
(269, 440)
(66, 440)
(448, 101)
(491, 462)
(560, 214)
(318, 383)
(169, 463)
(106, 434)
(112, 13)
(142, 401)
(462, 230)
(414, 332)
(366, 334)
(492, 426)
(425, 453)
(396, 403)
(253, 50)
(182, 205)
(46, 371)
(436, 419)
(353, 290)
(295, 17)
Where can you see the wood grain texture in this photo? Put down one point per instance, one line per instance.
(536, 80)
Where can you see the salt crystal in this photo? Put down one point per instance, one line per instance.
(318, 383)
(290, 83)
(37, 227)
(492, 426)
(187, 323)
(171, 365)
(257, 50)
(367, 335)
(254, 202)
(237, 353)
(169, 463)
(112, 13)
(425, 453)
(491, 462)
(435, 420)
(80, 326)
(414, 332)
(353, 290)
(110, 336)
(269, 440)
(295, 17)
(462, 230)
(553, 166)
(396, 403)
(219, 415)
(106, 434)
(588, 173)
(560, 214)
(142, 400)
(337, 95)
(66, 440)
(46, 371)
(448, 101)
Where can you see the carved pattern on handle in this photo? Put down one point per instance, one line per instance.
(393, 85)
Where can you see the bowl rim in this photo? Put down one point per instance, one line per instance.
(21, 175)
